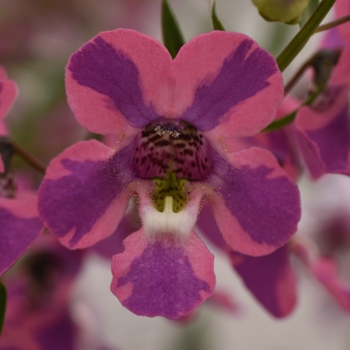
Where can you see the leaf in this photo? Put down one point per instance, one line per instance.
(302, 37)
(216, 22)
(172, 37)
(3, 299)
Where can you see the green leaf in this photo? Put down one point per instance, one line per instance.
(282, 122)
(216, 22)
(308, 12)
(301, 38)
(3, 299)
(172, 37)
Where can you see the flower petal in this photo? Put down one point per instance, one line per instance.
(8, 93)
(227, 84)
(114, 243)
(324, 139)
(342, 8)
(162, 277)
(19, 227)
(112, 80)
(255, 203)
(270, 278)
(84, 193)
(325, 270)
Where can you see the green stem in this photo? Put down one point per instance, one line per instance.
(301, 38)
(28, 158)
(333, 24)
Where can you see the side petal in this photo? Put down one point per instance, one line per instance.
(162, 277)
(227, 84)
(270, 278)
(115, 81)
(19, 227)
(85, 192)
(255, 204)
(324, 139)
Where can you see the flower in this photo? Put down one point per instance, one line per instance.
(322, 130)
(19, 221)
(173, 117)
(37, 311)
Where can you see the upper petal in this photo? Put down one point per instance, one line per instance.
(117, 81)
(122, 80)
(227, 83)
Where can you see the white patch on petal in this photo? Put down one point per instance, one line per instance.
(179, 224)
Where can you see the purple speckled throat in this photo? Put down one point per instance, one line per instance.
(172, 147)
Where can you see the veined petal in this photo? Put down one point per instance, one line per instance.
(163, 276)
(85, 192)
(227, 84)
(324, 138)
(19, 227)
(115, 82)
(270, 278)
(255, 203)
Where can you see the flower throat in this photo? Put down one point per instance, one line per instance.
(171, 154)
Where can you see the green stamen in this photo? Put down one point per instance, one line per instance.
(170, 186)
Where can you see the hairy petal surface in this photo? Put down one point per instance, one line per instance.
(85, 192)
(163, 276)
(255, 203)
(270, 278)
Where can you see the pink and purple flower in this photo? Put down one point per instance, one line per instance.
(322, 130)
(172, 118)
(19, 221)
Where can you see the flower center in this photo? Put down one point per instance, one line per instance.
(171, 153)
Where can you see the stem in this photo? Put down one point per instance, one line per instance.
(29, 158)
(332, 24)
(302, 37)
(296, 77)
